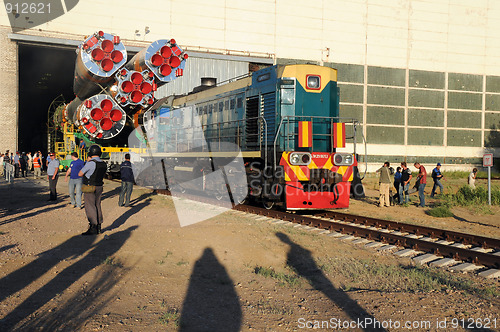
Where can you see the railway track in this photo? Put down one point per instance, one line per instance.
(436, 247)
(457, 251)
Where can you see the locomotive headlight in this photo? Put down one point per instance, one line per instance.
(343, 159)
(313, 82)
(300, 158)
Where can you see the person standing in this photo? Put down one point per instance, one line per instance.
(30, 162)
(472, 178)
(17, 164)
(436, 177)
(93, 174)
(397, 184)
(384, 183)
(75, 181)
(1, 164)
(422, 180)
(127, 176)
(37, 166)
(23, 161)
(6, 160)
(405, 183)
(52, 169)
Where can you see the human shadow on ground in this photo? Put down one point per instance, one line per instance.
(18, 199)
(10, 246)
(32, 214)
(142, 197)
(126, 215)
(302, 262)
(70, 249)
(110, 193)
(17, 280)
(211, 302)
(473, 222)
(81, 311)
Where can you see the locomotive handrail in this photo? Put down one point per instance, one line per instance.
(297, 117)
(261, 118)
(207, 129)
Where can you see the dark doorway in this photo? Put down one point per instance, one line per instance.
(44, 73)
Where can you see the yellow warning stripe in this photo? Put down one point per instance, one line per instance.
(301, 176)
(305, 134)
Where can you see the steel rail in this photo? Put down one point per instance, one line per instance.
(460, 254)
(435, 233)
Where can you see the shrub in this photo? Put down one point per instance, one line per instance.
(440, 212)
(466, 196)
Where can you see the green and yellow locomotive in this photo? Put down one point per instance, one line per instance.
(282, 120)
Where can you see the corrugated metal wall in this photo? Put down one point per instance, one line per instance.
(196, 68)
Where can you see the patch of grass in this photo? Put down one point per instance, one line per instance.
(466, 196)
(182, 262)
(455, 174)
(465, 174)
(283, 279)
(112, 262)
(162, 261)
(2, 233)
(266, 307)
(162, 200)
(171, 316)
(366, 274)
(484, 175)
(440, 212)
(482, 209)
(325, 267)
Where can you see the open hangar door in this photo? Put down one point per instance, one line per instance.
(45, 72)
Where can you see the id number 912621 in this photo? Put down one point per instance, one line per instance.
(28, 8)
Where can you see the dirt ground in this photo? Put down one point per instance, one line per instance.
(229, 273)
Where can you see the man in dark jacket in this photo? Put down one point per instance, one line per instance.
(127, 176)
(23, 162)
(93, 174)
(436, 177)
(405, 182)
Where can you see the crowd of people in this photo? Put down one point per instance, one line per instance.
(401, 182)
(24, 163)
(85, 179)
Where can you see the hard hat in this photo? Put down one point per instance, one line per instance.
(95, 150)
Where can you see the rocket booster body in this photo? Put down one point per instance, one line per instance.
(108, 89)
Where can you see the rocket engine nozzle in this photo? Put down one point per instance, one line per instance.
(100, 56)
(135, 88)
(163, 58)
(100, 117)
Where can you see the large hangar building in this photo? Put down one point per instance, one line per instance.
(421, 76)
